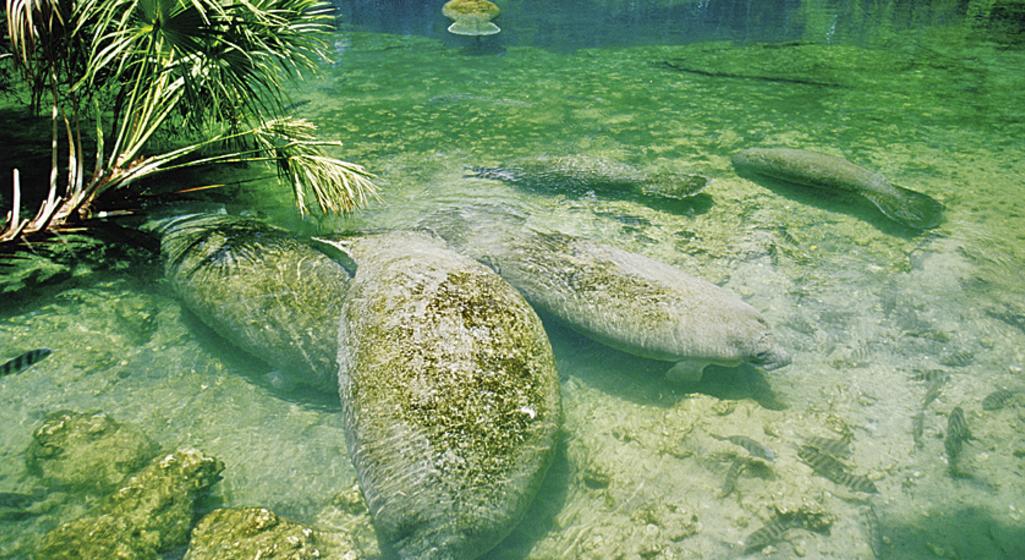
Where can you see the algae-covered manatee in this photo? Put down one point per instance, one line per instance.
(823, 171)
(581, 174)
(269, 293)
(449, 395)
(625, 300)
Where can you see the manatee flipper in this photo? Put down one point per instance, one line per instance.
(908, 207)
(674, 186)
(338, 250)
(687, 371)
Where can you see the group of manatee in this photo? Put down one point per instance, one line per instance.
(449, 392)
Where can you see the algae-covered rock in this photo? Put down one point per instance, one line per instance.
(262, 289)
(150, 513)
(449, 393)
(87, 450)
(471, 17)
(581, 174)
(247, 533)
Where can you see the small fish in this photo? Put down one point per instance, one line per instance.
(931, 375)
(872, 531)
(771, 532)
(732, 476)
(17, 500)
(918, 428)
(957, 425)
(753, 447)
(957, 434)
(998, 399)
(837, 447)
(959, 358)
(932, 393)
(830, 468)
(24, 361)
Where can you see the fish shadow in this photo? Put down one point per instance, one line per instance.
(643, 381)
(969, 532)
(254, 370)
(842, 202)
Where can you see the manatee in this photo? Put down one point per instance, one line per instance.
(259, 287)
(582, 174)
(624, 300)
(450, 397)
(823, 171)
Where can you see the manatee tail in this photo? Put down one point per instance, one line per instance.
(907, 207)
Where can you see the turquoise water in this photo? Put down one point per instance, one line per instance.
(928, 93)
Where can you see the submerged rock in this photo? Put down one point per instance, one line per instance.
(583, 174)
(89, 451)
(150, 513)
(823, 171)
(261, 288)
(449, 393)
(248, 533)
(624, 300)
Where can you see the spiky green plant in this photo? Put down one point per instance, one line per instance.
(213, 69)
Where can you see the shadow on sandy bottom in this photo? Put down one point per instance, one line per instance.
(845, 203)
(540, 517)
(643, 381)
(962, 533)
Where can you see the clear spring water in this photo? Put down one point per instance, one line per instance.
(929, 93)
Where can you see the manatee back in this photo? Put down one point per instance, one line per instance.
(631, 302)
(262, 289)
(450, 397)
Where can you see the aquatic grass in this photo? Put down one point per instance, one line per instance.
(158, 72)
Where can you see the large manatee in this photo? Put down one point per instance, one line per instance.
(449, 394)
(625, 300)
(269, 293)
(580, 174)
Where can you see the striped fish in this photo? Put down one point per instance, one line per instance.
(732, 476)
(830, 468)
(753, 447)
(837, 447)
(918, 428)
(957, 434)
(770, 533)
(998, 399)
(24, 361)
(931, 375)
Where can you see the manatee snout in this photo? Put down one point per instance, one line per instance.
(769, 355)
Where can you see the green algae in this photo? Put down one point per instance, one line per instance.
(248, 533)
(86, 451)
(150, 513)
(261, 288)
(450, 396)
